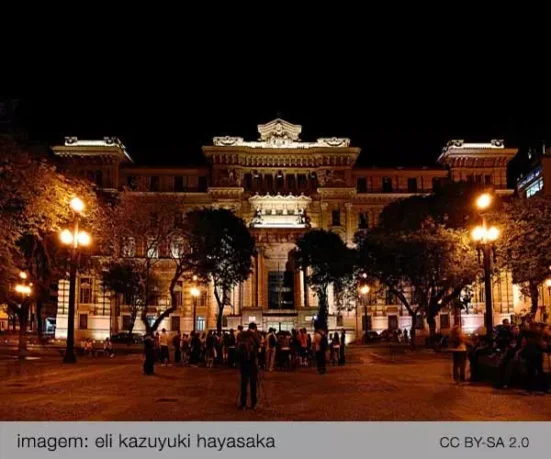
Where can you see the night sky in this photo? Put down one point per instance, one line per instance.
(396, 121)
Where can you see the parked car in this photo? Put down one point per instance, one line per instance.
(135, 338)
(371, 336)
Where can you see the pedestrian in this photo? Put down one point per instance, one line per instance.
(195, 348)
(303, 337)
(320, 347)
(247, 351)
(176, 342)
(149, 354)
(343, 344)
(210, 349)
(272, 348)
(406, 339)
(533, 358)
(184, 345)
(231, 348)
(335, 348)
(458, 348)
(157, 346)
(163, 341)
(108, 348)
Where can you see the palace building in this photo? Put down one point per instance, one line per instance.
(281, 186)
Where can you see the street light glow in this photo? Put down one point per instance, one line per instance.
(484, 201)
(548, 283)
(478, 233)
(24, 289)
(84, 238)
(66, 237)
(364, 290)
(195, 292)
(485, 234)
(77, 205)
(492, 233)
(23, 275)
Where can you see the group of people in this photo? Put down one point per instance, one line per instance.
(87, 347)
(517, 350)
(247, 349)
(283, 350)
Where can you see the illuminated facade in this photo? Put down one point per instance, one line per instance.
(280, 186)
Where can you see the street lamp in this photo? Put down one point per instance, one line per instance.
(195, 294)
(364, 290)
(485, 238)
(73, 238)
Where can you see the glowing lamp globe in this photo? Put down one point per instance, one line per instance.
(478, 233)
(66, 237)
(484, 201)
(84, 238)
(492, 234)
(77, 205)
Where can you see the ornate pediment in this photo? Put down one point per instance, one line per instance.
(281, 134)
(280, 211)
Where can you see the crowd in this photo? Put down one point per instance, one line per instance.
(516, 353)
(276, 350)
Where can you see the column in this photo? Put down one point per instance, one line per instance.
(349, 223)
(298, 289)
(304, 289)
(323, 216)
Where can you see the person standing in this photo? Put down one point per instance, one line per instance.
(272, 349)
(231, 348)
(149, 353)
(176, 342)
(247, 351)
(195, 348)
(303, 347)
(157, 346)
(210, 349)
(163, 341)
(335, 348)
(320, 347)
(343, 344)
(458, 348)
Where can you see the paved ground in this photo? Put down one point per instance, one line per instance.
(377, 384)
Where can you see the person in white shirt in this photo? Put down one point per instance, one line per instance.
(163, 340)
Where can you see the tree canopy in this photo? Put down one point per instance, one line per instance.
(328, 261)
(220, 251)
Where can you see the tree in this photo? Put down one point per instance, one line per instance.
(220, 251)
(327, 259)
(34, 205)
(123, 279)
(526, 242)
(438, 223)
(433, 262)
(138, 231)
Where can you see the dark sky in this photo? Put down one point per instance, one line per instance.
(396, 120)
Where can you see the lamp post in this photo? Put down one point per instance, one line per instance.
(364, 290)
(73, 238)
(24, 290)
(548, 284)
(195, 294)
(485, 237)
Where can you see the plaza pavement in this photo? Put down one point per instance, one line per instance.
(378, 384)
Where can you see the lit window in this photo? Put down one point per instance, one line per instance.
(534, 188)
(152, 249)
(200, 323)
(85, 290)
(129, 247)
(177, 248)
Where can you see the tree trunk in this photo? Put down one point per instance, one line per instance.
(412, 331)
(22, 315)
(431, 320)
(322, 309)
(39, 323)
(534, 298)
